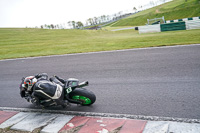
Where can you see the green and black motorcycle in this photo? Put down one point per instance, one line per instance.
(55, 91)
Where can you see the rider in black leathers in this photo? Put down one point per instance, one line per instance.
(38, 89)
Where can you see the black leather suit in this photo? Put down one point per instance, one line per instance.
(47, 92)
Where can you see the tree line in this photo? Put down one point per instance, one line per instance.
(89, 21)
(103, 18)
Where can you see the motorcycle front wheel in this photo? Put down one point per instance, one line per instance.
(83, 95)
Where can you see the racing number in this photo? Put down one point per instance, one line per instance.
(69, 89)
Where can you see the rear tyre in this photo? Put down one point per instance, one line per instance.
(83, 95)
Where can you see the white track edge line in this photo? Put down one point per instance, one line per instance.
(94, 114)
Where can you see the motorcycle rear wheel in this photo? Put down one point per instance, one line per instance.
(83, 95)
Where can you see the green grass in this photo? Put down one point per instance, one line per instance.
(17, 43)
(176, 9)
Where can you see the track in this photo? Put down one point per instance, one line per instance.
(151, 81)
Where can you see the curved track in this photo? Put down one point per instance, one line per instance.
(151, 81)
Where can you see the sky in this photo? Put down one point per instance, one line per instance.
(31, 13)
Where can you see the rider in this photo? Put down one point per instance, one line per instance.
(38, 89)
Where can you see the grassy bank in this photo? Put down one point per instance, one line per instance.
(176, 9)
(17, 43)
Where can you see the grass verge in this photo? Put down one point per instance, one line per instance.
(19, 43)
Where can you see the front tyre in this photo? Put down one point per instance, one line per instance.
(87, 97)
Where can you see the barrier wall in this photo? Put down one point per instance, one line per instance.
(173, 26)
(184, 19)
(149, 28)
(192, 24)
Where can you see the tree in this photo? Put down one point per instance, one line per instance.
(58, 26)
(99, 20)
(141, 7)
(79, 24)
(45, 26)
(86, 23)
(52, 26)
(119, 14)
(49, 26)
(90, 20)
(135, 9)
(104, 18)
(95, 20)
(115, 17)
(107, 17)
(73, 24)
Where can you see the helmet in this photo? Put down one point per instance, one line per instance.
(29, 82)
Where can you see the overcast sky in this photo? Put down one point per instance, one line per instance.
(31, 13)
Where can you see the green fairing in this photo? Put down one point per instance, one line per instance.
(82, 98)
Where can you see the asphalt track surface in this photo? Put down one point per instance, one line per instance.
(161, 81)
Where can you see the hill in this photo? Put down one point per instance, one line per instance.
(176, 9)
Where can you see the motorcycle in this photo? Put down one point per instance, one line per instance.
(73, 92)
